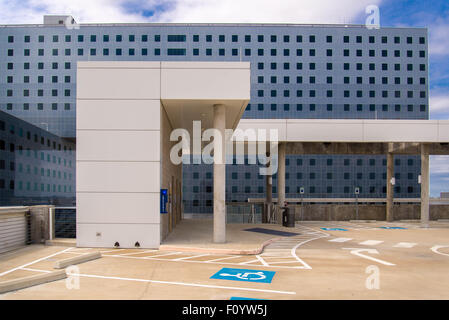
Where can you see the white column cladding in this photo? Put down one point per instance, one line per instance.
(425, 182)
(281, 179)
(220, 177)
(390, 186)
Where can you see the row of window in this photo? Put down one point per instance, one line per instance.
(40, 65)
(40, 92)
(346, 80)
(221, 52)
(40, 79)
(56, 188)
(346, 66)
(346, 94)
(29, 135)
(222, 38)
(328, 189)
(39, 106)
(58, 160)
(56, 174)
(331, 107)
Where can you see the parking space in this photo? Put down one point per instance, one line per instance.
(410, 262)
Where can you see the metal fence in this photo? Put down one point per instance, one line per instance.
(244, 212)
(65, 222)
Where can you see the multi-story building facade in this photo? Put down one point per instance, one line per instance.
(297, 71)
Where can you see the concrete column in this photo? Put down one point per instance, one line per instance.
(390, 187)
(269, 197)
(425, 182)
(219, 177)
(281, 178)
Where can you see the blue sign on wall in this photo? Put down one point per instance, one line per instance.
(244, 275)
(334, 229)
(164, 200)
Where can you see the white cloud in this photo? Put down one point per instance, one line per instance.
(439, 41)
(268, 11)
(205, 11)
(92, 11)
(439, 165)
(439, 103)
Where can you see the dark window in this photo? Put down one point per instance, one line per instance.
(176, 38)
(176, 52)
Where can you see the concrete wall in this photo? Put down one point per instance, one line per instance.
(336, 212)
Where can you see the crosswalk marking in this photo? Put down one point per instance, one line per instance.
(340, 240)
(405, 245)
(371, 242)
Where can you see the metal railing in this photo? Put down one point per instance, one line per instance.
(65, 222)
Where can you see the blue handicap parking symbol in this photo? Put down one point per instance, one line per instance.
(333, 229)
(393, 228)
(244, 275)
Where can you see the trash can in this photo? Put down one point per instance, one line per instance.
(288, 218)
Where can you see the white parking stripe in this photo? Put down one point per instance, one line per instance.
(191, 257)
(114, 250)
(220, 259)
(436, 248)
(33, 262)
(161, 255)
(176, 283)
(405, 245)
(137, 252)
(340, 240)
(371, 242)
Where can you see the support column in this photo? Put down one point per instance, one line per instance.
(219, 176)
(269, 197)
(281, 178)
(390, 186)
(425, 182)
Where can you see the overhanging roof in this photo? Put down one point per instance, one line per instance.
(353, 131)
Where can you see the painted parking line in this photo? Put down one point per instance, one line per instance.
(221, 259)
(371, 242)
(405, 245)
(333, 229)
(191, 257)
(137, 252)
(436, 248)
(340, 240)
(33, 262)
(177, 283)
(358, 252)
(260, 276)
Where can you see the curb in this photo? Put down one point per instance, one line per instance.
(76, 260)
(217, 250)
(60, 243)
(26, 282)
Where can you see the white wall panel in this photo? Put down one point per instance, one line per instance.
(205, 84)
(118, 177)
(118, 84)
(105, 235)
(118, 114)
(118, 145)
(118, 207)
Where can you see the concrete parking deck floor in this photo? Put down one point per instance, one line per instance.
(335, 263)
(197, 235)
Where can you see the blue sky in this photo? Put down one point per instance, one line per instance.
(431, 14)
